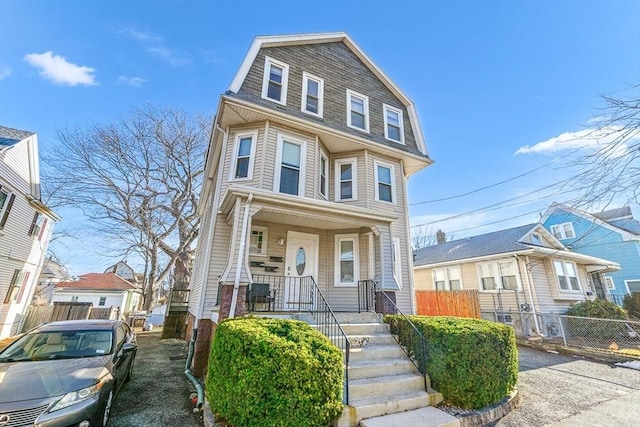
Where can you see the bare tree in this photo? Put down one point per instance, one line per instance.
(612, 171)
(137, 180)
(424, 236)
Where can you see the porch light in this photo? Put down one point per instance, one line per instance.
(280, 241)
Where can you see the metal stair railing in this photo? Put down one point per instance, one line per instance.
(327, 323)
(415, 346)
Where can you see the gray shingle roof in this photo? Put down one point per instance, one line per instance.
(10, 136)
(498, 242)
(611, 214)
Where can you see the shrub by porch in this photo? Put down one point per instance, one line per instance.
(271, 372)
(472, 362)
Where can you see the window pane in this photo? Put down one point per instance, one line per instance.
(3, 199)
(346, 250)
(245, 147)
(574, 283)
(312, 88)
(323, 185)
(312, 104)
(392, 118)
(275, 74)
(290, 154)
(346, 190)
(509, 282)
(255, 245)
(570, 268)
(274, 91)
(568, 231)
(357, 105)
(345, 171)
(563, 282)
(384, 174)
(289, 180)
(242, 168)
(301, 261)
(346, 261)
(634, 285)
(384, 192)
(488, 283)
(455, 285)
(440, 286)
(438, 275)
(357, 120)
(454, 273)
(393, 132)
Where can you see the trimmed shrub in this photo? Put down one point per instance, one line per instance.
(598, 308)
(632, 304)
(272, 372)
(472, 362)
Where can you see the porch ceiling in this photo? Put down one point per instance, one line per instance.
(306, 219)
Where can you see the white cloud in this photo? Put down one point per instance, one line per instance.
(589, 138)
(141, 37)
(4, 71)
(155, 46)
(57, 69)
(169, 55)
(131, 81)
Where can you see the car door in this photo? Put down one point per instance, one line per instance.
(121, 358)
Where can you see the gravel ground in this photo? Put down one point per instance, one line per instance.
(560, 390)
(158, 393)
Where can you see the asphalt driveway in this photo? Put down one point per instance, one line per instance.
(569, 391)
(158, 393)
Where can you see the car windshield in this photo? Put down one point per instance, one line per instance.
(58, 345)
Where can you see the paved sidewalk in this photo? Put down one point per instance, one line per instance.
(158, 393)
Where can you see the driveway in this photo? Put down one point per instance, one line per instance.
(568, 391)
(158, 393)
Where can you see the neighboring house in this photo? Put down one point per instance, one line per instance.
(126, 272)
(52, 273)
(103, 290)
(25, 225)
(613, 234)
(522, 268)
(306, 183)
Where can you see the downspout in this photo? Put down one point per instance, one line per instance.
(243, 238)
(194, 334)
(529, 289)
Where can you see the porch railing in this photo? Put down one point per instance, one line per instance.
(285, 293)
(371, 297)
(326, 322)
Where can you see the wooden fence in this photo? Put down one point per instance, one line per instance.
(448, 303)
(35, 315)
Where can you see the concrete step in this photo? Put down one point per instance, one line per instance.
(382, 386)
(346, 318)
(365, 339)
(376, 406)
(369, 368)
(423, 417)
(371, 352)
(364, 328)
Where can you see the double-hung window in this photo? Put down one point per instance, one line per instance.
(346, 264)
(393, 124)
(496, 275)
(324, 175)
(16, 286)
(447, 279)
(567, 276)
(290, 175)
(385, 189)
(6, 201)
(258, 241)
(312, 94)
(103, 301)
(563, 231)
(274, 80)
(357, 111)
(346, 179)
(244, 156)
(508, 275)
(38, 226)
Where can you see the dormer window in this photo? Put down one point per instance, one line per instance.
(357, 111)
(274, 81)
(393, 124)
(535, 239)
(312, 94)
(563, 231)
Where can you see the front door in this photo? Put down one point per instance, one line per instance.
(301, 261)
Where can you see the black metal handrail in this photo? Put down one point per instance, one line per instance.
(327, 323)
(415, 344)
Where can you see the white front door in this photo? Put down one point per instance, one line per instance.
(301, 260)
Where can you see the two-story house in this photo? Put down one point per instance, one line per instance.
(613, 234)
(305, 184)
(25, 225)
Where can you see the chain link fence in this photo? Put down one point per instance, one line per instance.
(572, 331)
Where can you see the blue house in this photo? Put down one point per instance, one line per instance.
(613, 234)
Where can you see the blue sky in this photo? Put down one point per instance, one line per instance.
(489, 78)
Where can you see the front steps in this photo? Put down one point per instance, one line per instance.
(382, 380)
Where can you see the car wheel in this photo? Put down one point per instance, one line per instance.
(130, 371)
(107, 408)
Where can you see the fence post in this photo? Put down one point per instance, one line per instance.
(564, 338)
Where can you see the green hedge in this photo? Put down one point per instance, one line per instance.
(271, 372)
(597, 308)
(472, 362)
(632, 304)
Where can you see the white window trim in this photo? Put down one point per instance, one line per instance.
(447, 277)
(265, 80)
(356, 258)
(252, 155)
(392, 171)
(303, 104)
(327, 174)
(303, 156)
(497, 276)
(385, 109)
(626, 284)
(397, 262)
(564, 272)
(265, 240)
(6, 201)
(609, 284)
(350, 94)
(563, 235)
(354, 178)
